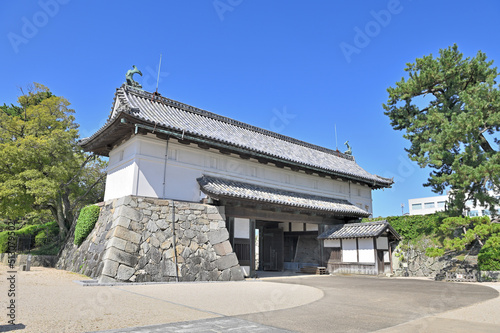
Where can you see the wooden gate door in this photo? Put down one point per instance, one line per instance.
(272, 250)
(380, 261)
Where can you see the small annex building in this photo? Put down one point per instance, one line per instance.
(275, 194)
(359, 248)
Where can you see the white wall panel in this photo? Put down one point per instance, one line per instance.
(366, 252)
(382, 243)
(331, 243)
(188, 162)
(241, 228)
(349, 251)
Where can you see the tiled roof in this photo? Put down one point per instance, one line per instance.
(188, 120)
(358, 230)
(225, 188)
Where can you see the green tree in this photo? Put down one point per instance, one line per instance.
(449, 107)
(42, 167)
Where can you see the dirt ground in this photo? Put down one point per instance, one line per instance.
(48, 300)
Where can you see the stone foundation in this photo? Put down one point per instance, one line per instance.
(133, 240)
(36, 260)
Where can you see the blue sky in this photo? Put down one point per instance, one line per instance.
(299, 68)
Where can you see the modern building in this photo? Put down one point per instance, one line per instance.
(430, 205)
(274, 191)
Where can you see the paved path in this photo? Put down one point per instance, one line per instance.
(49, 301)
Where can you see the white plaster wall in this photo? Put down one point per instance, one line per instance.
(186, 163)
(311, 227)
(366, 250)
(241, 228)
(382, 243)
(331, 243)
(349, 251)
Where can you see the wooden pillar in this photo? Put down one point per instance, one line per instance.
(252, 248)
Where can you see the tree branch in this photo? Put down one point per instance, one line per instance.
(87, 160)
(81, 197)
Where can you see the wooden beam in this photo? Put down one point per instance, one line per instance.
(268, 215)
(245, 157)
(203, 146)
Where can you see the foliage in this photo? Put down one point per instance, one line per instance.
(50, 249)
(86, 222)
(48, 230)
(489, 256)
(42, 167)
(412, 227)
(452, 132)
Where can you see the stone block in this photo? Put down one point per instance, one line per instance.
(154, 217)
(193, 246)
(202, 238)
(162, 224)
(129, 212)
(218, 236)
(226, 261)
(155, 255)
(212, 210)
(160, 235)
(117, 243)
(110, 268)
(151, 226)
(154, 242)
(185, 241)
(223, 248)
(168, 254)
(131, 247)
(121, 257)
(214, 217)
(225, 275)
(126, 234)
(124, 273)
(214, 225)
(123, 201)
(168, 268)
(236, 273)
(189, 233)
(166, 244)
(106, 279)
(145, 247)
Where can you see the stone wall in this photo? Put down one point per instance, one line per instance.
(36, 260)
(412, 261)
(133, 240)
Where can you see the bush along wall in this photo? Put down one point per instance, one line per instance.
(86, 222)
(39, 234)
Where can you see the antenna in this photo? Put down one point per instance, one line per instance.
(158, 78)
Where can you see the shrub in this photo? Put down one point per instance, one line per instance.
(489, 256)
(37, 231)
(85, 223)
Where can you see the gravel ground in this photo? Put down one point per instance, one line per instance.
(48, 300)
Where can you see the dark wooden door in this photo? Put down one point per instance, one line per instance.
(272, 250)
(380, 261)
(336, 254)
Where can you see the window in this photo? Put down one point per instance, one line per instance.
(486, 212)
(416, 206)
(441, 204)
(473, 213)
(428, 205)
